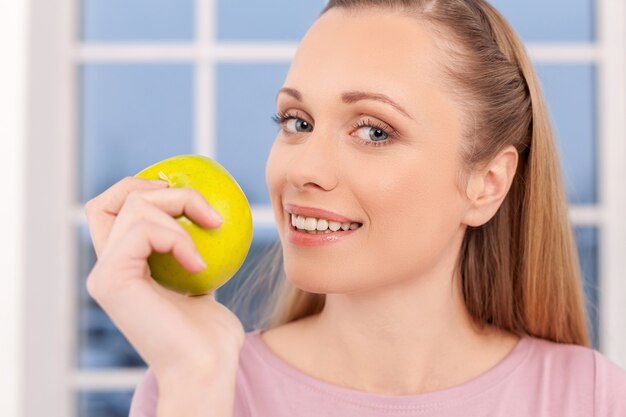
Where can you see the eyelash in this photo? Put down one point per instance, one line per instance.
(281, 117)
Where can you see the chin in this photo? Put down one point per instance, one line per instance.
(322, 282)
(310, 284)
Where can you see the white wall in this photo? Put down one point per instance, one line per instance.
(13, 18)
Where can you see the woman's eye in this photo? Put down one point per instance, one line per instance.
(368, 131)
(371, 133)
(298, 125)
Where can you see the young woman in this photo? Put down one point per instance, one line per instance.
(453, 288)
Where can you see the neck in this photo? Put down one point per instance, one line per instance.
(416, 336)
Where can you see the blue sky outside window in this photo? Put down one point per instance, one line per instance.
(137, 20)
(277, 20)
(570, 91)
(132, 116)
(246, 101)
(552, 20)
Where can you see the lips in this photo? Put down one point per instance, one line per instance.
(318, 213)
(306, 239)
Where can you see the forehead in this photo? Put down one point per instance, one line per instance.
(367, 49)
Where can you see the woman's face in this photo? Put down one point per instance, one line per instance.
(368, 133)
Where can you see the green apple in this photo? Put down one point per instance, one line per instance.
(223, 249)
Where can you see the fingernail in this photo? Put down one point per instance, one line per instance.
(158, 183)
(200, 262)
(217, 216)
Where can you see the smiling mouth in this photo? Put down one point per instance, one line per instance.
(317, 226)
(320, 232)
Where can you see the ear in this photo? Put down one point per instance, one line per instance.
(487, 188)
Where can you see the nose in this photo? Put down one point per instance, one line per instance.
(314, 163)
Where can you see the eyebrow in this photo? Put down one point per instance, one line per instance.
(350, 97)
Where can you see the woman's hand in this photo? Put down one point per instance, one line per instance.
(175, 334)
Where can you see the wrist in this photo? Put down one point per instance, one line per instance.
(201, 367)
(199, 373)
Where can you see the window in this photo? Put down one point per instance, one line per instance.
(119, 85)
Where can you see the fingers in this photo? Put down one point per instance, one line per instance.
(145, 237)
(148, 216)
(137, 193)
(125, 260)
(179, 201)
(112, 200)
(135, 211)
(102, 210)
(160, 207)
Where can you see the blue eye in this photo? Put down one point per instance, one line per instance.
(376, 134)
(292, 124)
(373, 133)
(299, 125)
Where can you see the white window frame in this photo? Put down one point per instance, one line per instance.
(51, 293)
(13, 64)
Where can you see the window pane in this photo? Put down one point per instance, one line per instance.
(571, 94)
(103, 404)
(286, 20)
(132, 117)
(246, 97)
(587, 240)
(100, 344)
(247, 291)
(550, 21)
(137, 20)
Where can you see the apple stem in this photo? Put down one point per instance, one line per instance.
(163, 176)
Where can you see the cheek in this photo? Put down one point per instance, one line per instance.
(275, 176)
(413, 189)
(415, 222)
(412, 217)
(272, 167)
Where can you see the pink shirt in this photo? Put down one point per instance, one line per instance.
(537, 378)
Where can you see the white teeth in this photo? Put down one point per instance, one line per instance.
(334, 226)
(300, 222)
(314, 225)
(309, 223)
(322, 224)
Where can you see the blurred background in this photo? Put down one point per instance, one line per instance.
(95, 90)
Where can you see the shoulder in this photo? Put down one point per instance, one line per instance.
(580, 373)
(558, 372)
(560, 364)
(580, 360)
(610, 387)
(561, 355)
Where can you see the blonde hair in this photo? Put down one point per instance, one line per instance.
(520, 270)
